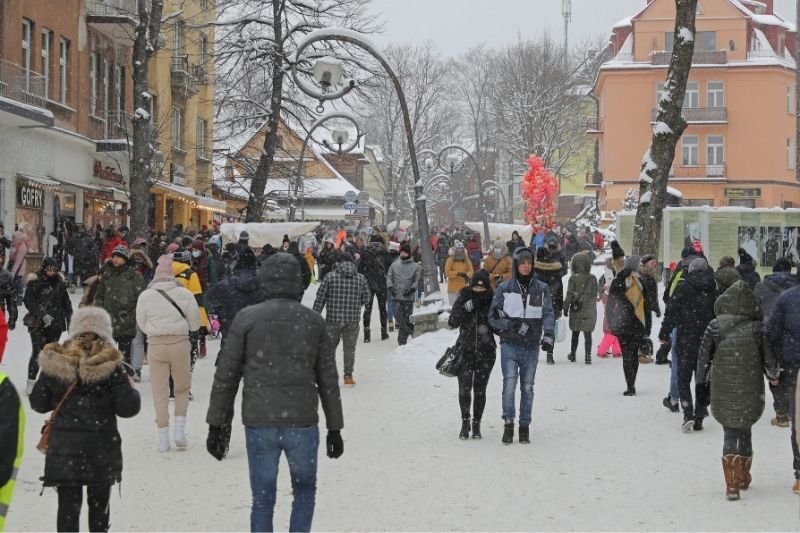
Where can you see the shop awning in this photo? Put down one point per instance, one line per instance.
(211, 204)
(83, 185)
(188, 194)
(39, 182)
(180, 190)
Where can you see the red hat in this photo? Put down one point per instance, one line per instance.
(673, 265)
(697, 246)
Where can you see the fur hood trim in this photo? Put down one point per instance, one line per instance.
(547, 265)
(139, 255)
(33, 276)
(68, 361)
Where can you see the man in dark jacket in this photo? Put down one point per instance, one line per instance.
(550, 267)
(373, 267)
(522, 315)
(285, 376)
(442, 251)
(767, 292)
(647, 276)
(344, 291)
(305, 270)
(83, 249)
(401, 282)
(118, 291)
(747, 268)
(690, 310)
(8, 293)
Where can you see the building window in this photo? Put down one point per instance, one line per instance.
(63, 65)
(177, 128)
(47, 52)
(697, 202)
(790, 155)
(715, 151)
(689, 150)
(107, 75)
(704, 41)
(790, 102)
(692, 98)
(716, 94)
(203, 53)
(94, 59)
(203, 4)
(119, 90)
(27, 32)
(201, 139)
(742, 202)
(178, 42)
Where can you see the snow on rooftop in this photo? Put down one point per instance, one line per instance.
(624, 23)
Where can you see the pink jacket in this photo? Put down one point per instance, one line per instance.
(19, 250)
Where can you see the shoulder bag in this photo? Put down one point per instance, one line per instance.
(449, 365)
(170, 300)
(47, 428)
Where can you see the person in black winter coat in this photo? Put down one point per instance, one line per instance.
(747, 268)
(690, 310)
(374, 266)
(470, 314)
(650, 286)
(47, 301)
(305, 271)
(550, 267)
(85, 447)
(442, 251)
(326, 259)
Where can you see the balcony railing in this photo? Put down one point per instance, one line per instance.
(22, 85)
(110, 9)
(112, 126)
(200, 74)
(594, 124)
(698, 171)
(594, 177)
(700, 57)
(698, 114)
(182, 79)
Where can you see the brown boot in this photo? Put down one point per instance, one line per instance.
(745, 478)
(730, 466)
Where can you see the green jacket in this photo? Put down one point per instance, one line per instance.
(117, 293)
(581, 291)
(734, 350)
(12, 428)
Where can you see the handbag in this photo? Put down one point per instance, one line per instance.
(449, 365)
(47, 427)
(31, 321)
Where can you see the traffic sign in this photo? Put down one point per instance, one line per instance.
(363, 197)
(351, 216)
(350, 197)
(350, 206)
(363, 210)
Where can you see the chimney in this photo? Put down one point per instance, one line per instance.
(770, 6)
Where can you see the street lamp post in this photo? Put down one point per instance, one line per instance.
(326, 73)
(340, 137)
(486, 237)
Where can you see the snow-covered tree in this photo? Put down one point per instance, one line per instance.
(631, 200)
(589, 217)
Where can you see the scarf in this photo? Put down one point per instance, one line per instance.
(635, 295)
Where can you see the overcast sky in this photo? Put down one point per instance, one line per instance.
(457, 25)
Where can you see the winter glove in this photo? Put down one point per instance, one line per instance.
(469, 306)
(12, 325)
(566, 310)
(409, 292)
(463, 275)
(547, 342)
(335, 444)
(47, 320)
(216, 443)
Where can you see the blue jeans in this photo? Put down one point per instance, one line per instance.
(674, 393)
(518, 362)
(389, 306)
(264, 446)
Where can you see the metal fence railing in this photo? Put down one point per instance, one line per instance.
(22, 85)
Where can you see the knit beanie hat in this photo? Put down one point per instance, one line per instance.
(164, 267)
(121, 251)
(524, 255)
(91, 319)
(376, 238)
(616, 250)
(632, 263)
(499, 246)
(698, 264)
(247, 259)
(244, 236)
(480, 278)
(647, 258)
(286, 238)
(173, 247)
(184, 256)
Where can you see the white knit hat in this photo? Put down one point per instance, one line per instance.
(458, 244)
(91, 320)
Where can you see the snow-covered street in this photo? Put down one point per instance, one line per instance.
(598, 460)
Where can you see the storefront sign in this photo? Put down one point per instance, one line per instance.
(29, 197)
(743, 193)
(106, 173)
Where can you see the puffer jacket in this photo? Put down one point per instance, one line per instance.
(85, 446)
(8, 296)
(514, 304)
(373, 266)
(768, 290)
(46, 295)
(117, 293)
(157, 317)
(690, 309)
(582, 291)
(734, 349)
(550, 268)
(783, 328)
(475, 335)
(327, 260)
(343, 292)
(287, 367)
(452, 268)
(498, 267)
(83, 248)
(402, 278)
(233, 294)
(189, 279)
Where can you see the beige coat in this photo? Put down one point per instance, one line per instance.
(452, 268)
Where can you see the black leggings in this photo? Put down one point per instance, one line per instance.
(473, 382)
(737, 442)
(587, 338)
(696, 407)
(40, 337)
(630, 359)
(70, 501)
(381, 296)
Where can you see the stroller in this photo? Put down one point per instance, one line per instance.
(213, 326)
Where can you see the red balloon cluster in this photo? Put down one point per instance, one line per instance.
(539, 188)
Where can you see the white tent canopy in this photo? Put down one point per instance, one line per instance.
(502, 231)
(262, 233)
(404, 224)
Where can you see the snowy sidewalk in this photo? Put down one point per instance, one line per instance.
(598, 461)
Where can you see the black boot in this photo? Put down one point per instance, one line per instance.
(550, 360)
(588, 359)
(508, 433)
(384, 333)
(524, 434)
(571, 357)
(366, 335)
(476, 429)
(464, 435)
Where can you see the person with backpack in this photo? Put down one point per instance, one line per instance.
(458, 269)
(580, 305)
(474, 251)
(476, 341)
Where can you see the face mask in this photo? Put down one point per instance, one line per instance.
(195, 253)
(498, 254)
